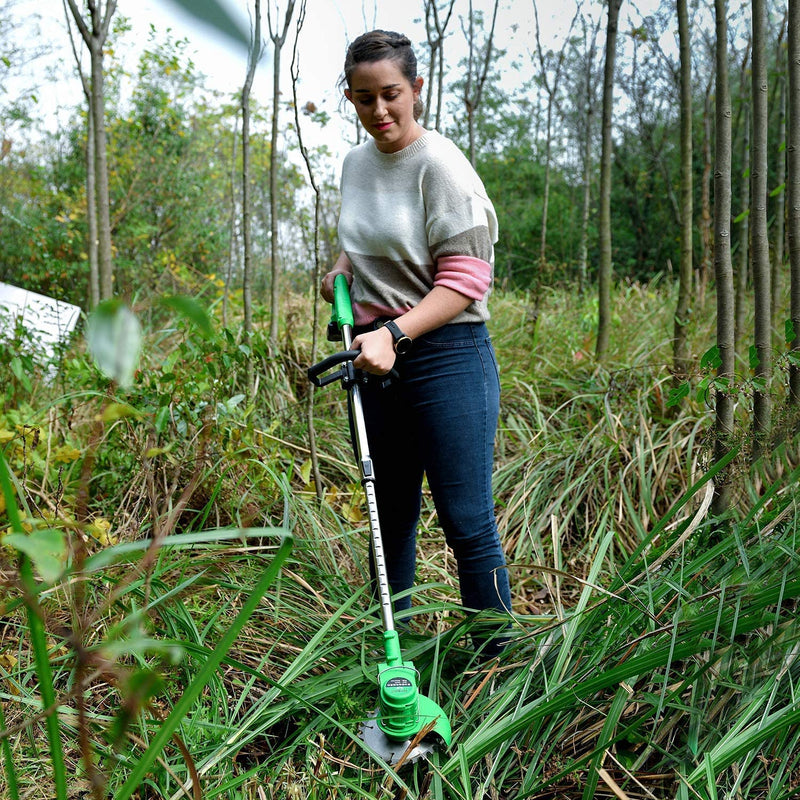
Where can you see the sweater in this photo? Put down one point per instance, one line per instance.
(413, 220)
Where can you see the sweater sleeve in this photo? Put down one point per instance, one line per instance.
(461, 227)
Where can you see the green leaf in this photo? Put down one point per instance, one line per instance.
(789, 332)
(46, 548)
(753, 355)
(744, 215)
(778, 190)
(677, 394)
(19, 373)
(192, 311)
(217, 16)
(711, 359)
(114, 336)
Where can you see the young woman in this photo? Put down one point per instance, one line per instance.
(417, 233)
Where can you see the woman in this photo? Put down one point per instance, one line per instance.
(417, 233)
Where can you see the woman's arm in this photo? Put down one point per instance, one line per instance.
(440, 306)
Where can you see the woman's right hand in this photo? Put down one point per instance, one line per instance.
(341, 267)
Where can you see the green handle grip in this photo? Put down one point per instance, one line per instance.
(342, 313)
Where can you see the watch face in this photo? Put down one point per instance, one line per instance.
(402, 345)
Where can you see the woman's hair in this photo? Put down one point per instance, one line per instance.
(376, 46)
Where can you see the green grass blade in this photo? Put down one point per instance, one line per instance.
(205, 673)
(8, 761)
(38, 640)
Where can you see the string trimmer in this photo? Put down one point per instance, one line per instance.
(407, 725)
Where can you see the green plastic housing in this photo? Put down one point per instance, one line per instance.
(342, 312)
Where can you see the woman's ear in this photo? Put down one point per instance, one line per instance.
(417, 85)
(348, 94)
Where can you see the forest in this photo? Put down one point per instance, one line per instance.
(184, 543)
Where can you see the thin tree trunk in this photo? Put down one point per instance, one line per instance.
(780, 211)
(278, 41)
(793, 192)
(762, 404)
(707, 223)
(247, 275)
(723, 270)
(743, 270)
(680, 354)
(604, 277)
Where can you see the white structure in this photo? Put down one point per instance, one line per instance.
(49, 321)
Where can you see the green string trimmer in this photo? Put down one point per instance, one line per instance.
(407, 725)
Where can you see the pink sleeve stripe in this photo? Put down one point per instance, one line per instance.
(464, 274)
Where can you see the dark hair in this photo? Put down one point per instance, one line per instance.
(379, 45)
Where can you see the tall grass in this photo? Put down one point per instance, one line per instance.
(653, 654)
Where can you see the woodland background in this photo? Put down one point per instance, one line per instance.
(158, 638)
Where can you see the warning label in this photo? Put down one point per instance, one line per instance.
(398, 683)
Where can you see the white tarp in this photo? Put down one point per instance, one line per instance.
(48, 321)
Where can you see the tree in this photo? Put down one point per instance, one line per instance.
(477, 71)
(793, 190)
(94, 30)
(91, 196)
(679, 351)
(743, 218)
(723, 269)
(604, 272)
(247, 276)
(278, 40)
(435, 28)
(551, 90)
(762, 410)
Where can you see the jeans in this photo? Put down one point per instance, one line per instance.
(439, 419)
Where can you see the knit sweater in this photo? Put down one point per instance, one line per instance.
(413, 220)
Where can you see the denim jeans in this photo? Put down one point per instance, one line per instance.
(439, 419)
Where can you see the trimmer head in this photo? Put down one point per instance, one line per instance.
(407, 725)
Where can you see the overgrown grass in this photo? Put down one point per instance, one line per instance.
(654, 651)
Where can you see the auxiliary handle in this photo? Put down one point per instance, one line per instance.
(316, 373)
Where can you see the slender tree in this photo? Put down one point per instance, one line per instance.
(680, 354)
(551, 89)
(743, 263)
(94, 31)
(776, 279)
(278, 40)
(436, 23)
(247, 275)
(723, 269)
(91, 202)
(477, 72)
(793, 191)
(762, 411)
(604, 273)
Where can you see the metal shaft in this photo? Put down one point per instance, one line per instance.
(368, 482)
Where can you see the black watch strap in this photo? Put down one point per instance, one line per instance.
(402, 343)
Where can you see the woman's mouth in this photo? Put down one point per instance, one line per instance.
(383, 126)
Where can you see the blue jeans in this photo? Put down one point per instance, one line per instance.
(439, 419)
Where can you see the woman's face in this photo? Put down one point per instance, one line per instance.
(384, 100)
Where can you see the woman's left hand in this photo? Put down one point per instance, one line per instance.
(377, 351)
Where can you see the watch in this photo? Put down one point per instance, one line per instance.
(402, 343)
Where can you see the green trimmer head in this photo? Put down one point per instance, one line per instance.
(407, 725)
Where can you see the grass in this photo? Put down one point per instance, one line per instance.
(654, 649)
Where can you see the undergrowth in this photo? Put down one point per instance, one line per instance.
(159, 641)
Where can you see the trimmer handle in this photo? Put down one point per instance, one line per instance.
(342, 311)
(316, 373)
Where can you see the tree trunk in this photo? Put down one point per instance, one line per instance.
(762, 405)
(604, 276)
(723, 269)
(680, 355)
(793, 198)
(94, 35)
(247, 275)
(91, 216)
(743, 270)
(780, 211)
(707, 223)
(278, 41)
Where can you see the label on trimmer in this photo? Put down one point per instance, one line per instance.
(398, 683)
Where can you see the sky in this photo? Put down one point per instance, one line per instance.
(329, 25)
